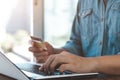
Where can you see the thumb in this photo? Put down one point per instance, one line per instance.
(46, 44)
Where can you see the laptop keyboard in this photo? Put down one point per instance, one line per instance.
(35, 69)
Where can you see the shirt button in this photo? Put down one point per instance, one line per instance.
(102, 19)
(100, 43)
(83, 14)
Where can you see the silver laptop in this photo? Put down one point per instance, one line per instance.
(29, 71)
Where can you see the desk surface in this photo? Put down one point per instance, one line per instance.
(109, 77)
(3, 77)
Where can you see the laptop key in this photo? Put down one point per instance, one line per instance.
(35, 69)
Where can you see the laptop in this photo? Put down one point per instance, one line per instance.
(30, 71)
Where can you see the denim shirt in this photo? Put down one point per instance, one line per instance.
(96, 29)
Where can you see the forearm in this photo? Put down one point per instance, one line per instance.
(108, 64)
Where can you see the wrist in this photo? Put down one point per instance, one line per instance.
(94, 63)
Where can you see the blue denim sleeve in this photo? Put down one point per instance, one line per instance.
(74, 44)
(118, 53)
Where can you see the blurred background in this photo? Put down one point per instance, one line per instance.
(50, 20)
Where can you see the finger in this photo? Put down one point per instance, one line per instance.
(35, 50)
(31, 42)
(40, 59)
(54, 65)
(40, 54)
(65, 67)
(47, 45)
(48, 62)
(58, 60)
(41, 68)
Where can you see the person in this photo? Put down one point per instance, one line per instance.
(94, 44)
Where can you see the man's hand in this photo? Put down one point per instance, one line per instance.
(40, 54)
(67, 61)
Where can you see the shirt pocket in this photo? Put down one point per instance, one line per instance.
(86, 27)
(84, 13)
(115, 17)
(116, 6)
(86, 22)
